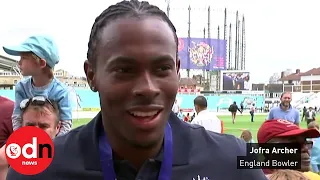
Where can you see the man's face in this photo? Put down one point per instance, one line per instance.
(305, 149)
(286, 99)
(45, 120)
(136, 75)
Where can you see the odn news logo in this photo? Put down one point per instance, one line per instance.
(32, 151)
(29, 150)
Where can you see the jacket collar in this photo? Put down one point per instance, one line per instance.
(89, 142)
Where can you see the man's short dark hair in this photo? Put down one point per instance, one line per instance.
(54, 108)
(123, 9)
(201, 101)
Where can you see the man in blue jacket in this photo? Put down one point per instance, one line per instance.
(133, 65)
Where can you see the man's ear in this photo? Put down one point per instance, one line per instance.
(59, 126)
(88, 70)
(178, 67)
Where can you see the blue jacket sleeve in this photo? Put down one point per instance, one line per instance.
(65, 105)
(16, 115)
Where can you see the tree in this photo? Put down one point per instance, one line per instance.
(274, 78)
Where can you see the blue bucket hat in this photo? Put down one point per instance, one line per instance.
(42, 46)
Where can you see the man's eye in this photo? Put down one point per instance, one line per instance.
(165, 68)
(123, 70)
(43, 126)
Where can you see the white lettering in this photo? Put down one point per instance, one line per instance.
(284, 164)
(33, 146)
(288, 123)
(284, 150)
(254, 164)
(29, 163)
(259, 150)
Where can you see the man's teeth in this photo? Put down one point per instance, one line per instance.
(143, 114)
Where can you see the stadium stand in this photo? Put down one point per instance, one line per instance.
(90, 100)
(221, 102)
(299, 100)
(85, 99)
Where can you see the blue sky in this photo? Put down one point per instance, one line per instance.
(280, 34)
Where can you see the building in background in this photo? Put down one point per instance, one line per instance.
(190, 85)
(70, 80)
(7, 64)
(8, 79)
(305, 82)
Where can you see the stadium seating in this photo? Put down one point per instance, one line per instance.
(220, 101)
(299, 100)
(86, 98)
(90, 100)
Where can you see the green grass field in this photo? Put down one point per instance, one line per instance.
(242, 122)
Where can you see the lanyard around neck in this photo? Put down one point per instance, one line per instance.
(107, 161)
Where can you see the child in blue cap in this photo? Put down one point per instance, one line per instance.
(38, 56)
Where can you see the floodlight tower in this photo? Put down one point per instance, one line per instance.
(168, 7)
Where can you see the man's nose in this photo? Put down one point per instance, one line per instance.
(146, 86)
(305, 148)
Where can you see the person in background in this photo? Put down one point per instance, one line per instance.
(193, 116)
(252, 111)
(312, 175)
(180, 115)
(233, 108)
(285, 110)
(246, 84)
(247, 136)
(287, 174)
(3, 164)
(310, 115)
(304, 110)
(187, 118)
(6, 109)
(241, 107)
(315, 151)
(205, 118)
(38, 57)
(39, 112)
(175, 108)
(283, 131)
